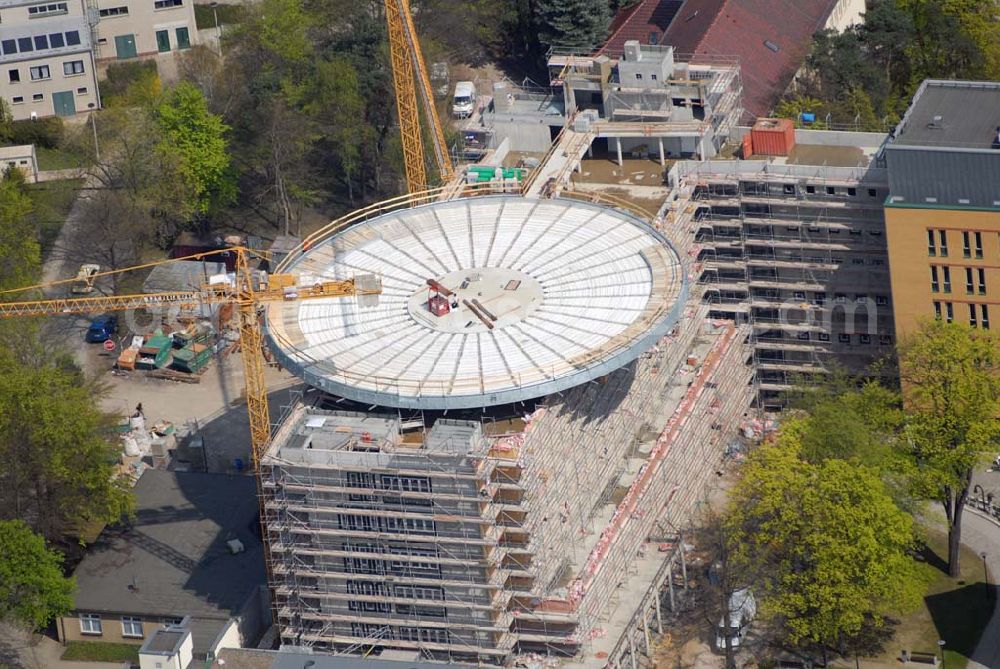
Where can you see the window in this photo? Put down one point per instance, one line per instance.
(90, 623)
(40, 72)
(949, 312)
(861, 298)
(798, 295)
(418, 592)
(943, 238)
(946, 272)
(406, 483)
(824, 336)
(38, 97)
(14, 75)
(885, 340)
(18, 99)
(653, 77)
(369, 588)
(968, 281)
(162, 40)
(852, 191)
(810, 189)
(38, 11)
(24, 44)
(972, 315)
(830, 190)
(132, 626)
(966, 249)
(72, 37)
(114, 11)
(638, 76)
(369, 607)
(872, 192)
(985, 313)
(73, 67)
(866, 339)
(421, 611)
(937, 310)
(854, 232)
(982, 280)
(979, 245)
(9, 46)
(839, 298)
(931, 248)
(56, 40)
(82, 90)
(844, 338)
(41, 42)
(803, 336)
(935, 287)
(167, 4)
(172, 622)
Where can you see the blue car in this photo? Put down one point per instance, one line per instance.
(102, 328)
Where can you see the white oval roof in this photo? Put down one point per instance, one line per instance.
(546, 294)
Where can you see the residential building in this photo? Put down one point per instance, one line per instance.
(22, 157)
(645, 22)
(192, 551)
(49, 51)
(769, 38)
(794, 245)
(140, 28)
(46, 58)
(943, 210)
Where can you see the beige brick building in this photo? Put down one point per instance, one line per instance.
(49, 51)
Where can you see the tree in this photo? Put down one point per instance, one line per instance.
(199, 139)
(18, 242)
(58, 471)
(824, 545)
(33, 590)
(581, 24)
(950, 375)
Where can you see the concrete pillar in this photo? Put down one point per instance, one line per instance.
(684, 567)
(670, 581)
(701, 148)
(631, 649)
(590, 150)
(659, 614)
(663, 157)
(618, 145)
(645, 630)
(578, 167)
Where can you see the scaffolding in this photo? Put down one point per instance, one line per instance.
(798, 252)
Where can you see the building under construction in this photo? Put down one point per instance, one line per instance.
(538, 526)
(793, 242)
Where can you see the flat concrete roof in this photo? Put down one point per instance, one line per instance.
(165, 641)
(969, 114)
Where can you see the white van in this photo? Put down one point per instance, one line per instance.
(742, 609)
(465, 99)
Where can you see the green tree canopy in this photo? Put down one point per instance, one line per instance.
(199, 138)
(582, 24)
(823, 545)
(58, 472)
(33, 590)
(951, 386)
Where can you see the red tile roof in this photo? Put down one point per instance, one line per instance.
(639, 22)
(740, 28)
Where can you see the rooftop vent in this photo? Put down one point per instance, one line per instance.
(772, 46)
(937, 122)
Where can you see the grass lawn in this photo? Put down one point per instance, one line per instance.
(204, 17)
(955, 610)
(58, 159)
(97, 651)
(52, 200)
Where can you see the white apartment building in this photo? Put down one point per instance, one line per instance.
(140, 28)
(46, 58)
(49, 51)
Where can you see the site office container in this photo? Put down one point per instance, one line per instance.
(773, 136)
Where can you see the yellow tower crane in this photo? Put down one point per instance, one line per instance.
(248, 293)
(409, 76)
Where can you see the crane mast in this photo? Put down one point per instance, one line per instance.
(410, 80)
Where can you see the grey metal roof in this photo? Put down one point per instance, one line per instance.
(172, 561)
(969, 111)
(181, 275)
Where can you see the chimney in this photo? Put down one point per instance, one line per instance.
(633, 53)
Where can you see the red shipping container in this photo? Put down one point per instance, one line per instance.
(747, 146)
(773, 136)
